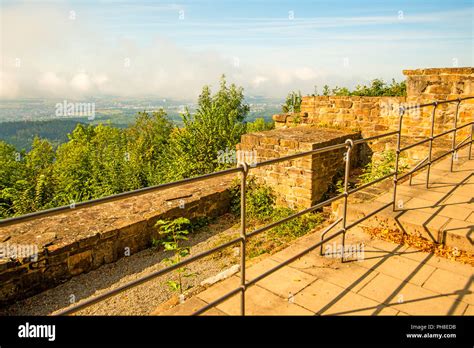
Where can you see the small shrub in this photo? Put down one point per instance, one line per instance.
(379, 168)
(292, 103)
(261, 209)
(295, 227)
(173, 233)
(260, 199)
(259, 125)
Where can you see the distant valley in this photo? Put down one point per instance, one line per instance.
(23, 119)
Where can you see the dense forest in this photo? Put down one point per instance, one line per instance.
(22, 133)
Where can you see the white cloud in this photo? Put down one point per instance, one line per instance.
(9, 87)
(51, 81)
(67, 58)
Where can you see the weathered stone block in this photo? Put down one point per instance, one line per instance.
(280, 117)
(80, 262)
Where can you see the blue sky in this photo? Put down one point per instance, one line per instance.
(171, 49)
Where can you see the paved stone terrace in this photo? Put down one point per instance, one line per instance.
(390, 280)
(443, 213)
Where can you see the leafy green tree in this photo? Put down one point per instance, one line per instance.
(147, 141)
(27, 184)
(108, 161)
(11, 165)
(217, 125)
(12, 170)
(39, 169)
(343, 91)
(259, 125)
(73, 167)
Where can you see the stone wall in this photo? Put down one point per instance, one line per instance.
(376, 115)
(302, 182)
(370, 115)
(83, 239)
(443, 83)
(428, 85)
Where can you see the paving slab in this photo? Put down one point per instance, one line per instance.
(436, 261)
(325, 298)
(260, 301)
(444, 282)
(286, 281)
(411, 299)
(460, 234)
(405, 269)
(191, 306)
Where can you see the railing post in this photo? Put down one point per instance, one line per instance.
(453, 149)
(350, 145)
(470, 146)
(243, 234)
(431, 144)
(397, 155)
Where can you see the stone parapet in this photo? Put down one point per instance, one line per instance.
(83, 239)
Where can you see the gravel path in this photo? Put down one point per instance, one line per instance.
(143, 299)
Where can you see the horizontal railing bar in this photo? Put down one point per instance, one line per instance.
(453, 130)
(462, 142)
(298, 155)
(444, 133)
(355, 223)
(442, 156)
(370, 183)
(465, 125)
(302, 212)
(107, 199)
(434, 137)
(414, 170)
(364, 140)
(414, 144)
(146, 278)
(321, 150)
(218, 301)
(437, 103)
(288, 261)
(433, 160)
(92, 202)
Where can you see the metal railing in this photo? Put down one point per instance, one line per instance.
(244, 169)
